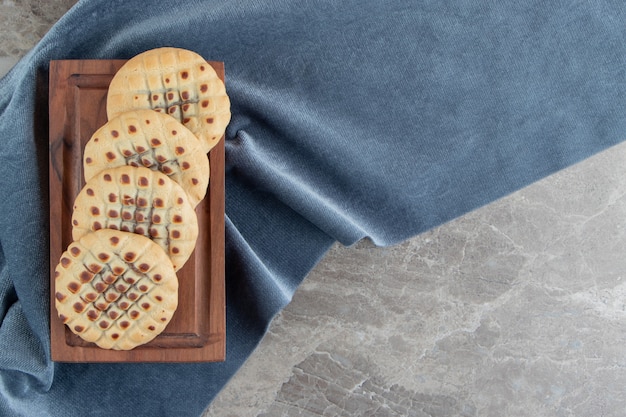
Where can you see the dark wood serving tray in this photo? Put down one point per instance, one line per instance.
(196, 333)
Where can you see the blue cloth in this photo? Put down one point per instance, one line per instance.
(351, 119)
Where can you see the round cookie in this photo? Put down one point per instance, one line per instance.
(152, 140)
(115, 289)
(177, 82)
(140, 201)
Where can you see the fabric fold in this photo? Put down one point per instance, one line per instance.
(29, 365)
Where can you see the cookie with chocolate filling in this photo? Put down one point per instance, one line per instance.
(177, 82)
(115, 289)
(141, 201)
(153, 140)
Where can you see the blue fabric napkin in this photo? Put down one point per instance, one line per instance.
(351, 119)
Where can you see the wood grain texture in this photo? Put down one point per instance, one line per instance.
(196, 333)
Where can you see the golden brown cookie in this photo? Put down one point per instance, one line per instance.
(152, 140)
(177, 82)
(142, 201)
(116, 289)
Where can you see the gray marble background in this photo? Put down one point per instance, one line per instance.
(516, 309)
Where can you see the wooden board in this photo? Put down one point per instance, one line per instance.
(196, 333)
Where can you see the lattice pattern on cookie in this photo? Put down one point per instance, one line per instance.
(177, 82)
(141, 201)
(152, 140)
(116, 289)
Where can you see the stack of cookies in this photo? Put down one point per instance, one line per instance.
(134, 222)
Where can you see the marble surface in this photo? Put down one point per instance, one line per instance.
(516, 309)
